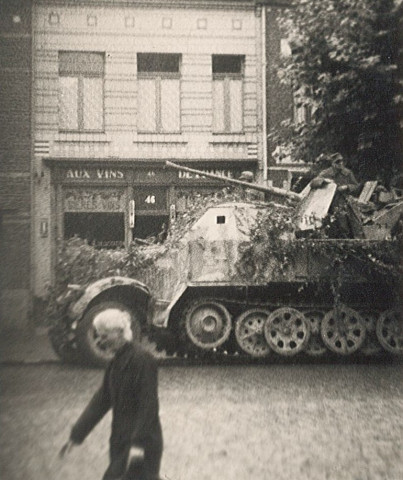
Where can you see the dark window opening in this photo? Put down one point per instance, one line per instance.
(220, 219)
(227, 63)
(158, 62)
(103, 230)
(151, 226)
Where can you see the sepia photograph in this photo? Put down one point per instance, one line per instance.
(201, 232)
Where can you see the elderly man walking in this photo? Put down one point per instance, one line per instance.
(130, 388)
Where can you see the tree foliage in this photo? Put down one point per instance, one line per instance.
(344, 67)
(274, 250)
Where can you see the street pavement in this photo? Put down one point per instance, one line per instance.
(224, 422)
(27, 346)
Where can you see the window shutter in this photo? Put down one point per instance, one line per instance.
(218, 106)
(68, 103)
(170, 105)
(92, 104)
(146, 102)
(236, 105)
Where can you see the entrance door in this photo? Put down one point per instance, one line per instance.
(151, 212)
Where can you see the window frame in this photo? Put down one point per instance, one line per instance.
(80, 94)
(158, 77)
(302, 113)
(226, 77)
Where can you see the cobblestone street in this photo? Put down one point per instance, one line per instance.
(220, 422)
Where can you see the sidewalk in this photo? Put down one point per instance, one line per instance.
(34, 347)
(24, 347)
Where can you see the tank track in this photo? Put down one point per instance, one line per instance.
(363, 333)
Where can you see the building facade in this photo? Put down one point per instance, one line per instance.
(98, 94)
(121, 87)
(15, 162)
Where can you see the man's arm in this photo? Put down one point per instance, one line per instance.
(95, 410)
(323, 178)
(353, 185)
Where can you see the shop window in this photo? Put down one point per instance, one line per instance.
(105, 230)
(158, 92)
(81, 91)
(227, 93)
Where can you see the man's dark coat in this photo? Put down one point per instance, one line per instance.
(130, 387)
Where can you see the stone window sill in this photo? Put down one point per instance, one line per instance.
(82, 137)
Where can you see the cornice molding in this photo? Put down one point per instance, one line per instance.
(274, 3)
(201, 4)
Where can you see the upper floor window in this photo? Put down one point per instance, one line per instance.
(81, 87)
(302, 108)
(158, 92)
(228, 73)
(302, 113)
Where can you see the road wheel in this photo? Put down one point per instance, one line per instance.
(207, 324)
(287, 331)
(64, 343)
(90, 344)
(389, 330)
(249, 332)
(343, 330)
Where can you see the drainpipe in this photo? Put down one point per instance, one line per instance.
(32, 272)
(264, 95)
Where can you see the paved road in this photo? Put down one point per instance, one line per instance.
(288, 422)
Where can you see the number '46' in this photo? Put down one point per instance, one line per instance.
(150, 199)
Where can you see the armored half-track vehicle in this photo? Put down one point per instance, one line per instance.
(201, 299)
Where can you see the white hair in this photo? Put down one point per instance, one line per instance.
(110, 320)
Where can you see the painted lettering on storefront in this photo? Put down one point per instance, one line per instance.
(95, 200)
(79, 173)
(100, 173)
(109, 174)
(218, 172)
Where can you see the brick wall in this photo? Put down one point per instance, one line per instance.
(15, 156)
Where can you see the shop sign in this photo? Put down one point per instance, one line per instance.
(91, 174)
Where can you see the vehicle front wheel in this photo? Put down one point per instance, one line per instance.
(91, 347)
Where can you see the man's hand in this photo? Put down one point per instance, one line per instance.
(67, 447)
(343, 188)
(136, 454)
(319, 182)
(135, 462)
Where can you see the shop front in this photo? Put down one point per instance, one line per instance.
(109, 206)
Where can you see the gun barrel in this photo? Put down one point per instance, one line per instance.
(272, 190)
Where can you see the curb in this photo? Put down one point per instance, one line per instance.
(185, 362)
(162, 362)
